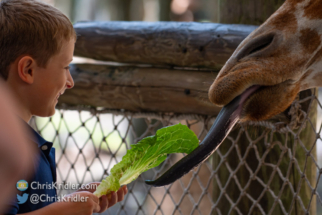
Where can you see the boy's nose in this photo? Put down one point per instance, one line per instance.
(70, 81)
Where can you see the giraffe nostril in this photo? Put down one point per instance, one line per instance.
(256, 45)
(260, 47)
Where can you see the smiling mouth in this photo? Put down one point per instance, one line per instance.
(58, 96)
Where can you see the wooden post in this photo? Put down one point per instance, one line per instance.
(256, 12)
(124, 9)
(165, 10)
(211, 10)
(273, 143)
(253, 12)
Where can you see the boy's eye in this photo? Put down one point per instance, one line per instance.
(68, 67)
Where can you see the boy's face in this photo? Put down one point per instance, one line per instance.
(52, 81)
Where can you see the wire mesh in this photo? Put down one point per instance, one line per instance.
(261, 168)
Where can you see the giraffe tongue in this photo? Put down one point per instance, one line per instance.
(225, 121)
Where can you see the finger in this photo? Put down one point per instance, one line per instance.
(96, 207)
(120, 195)
(94, 198)
(125, 189)
(103, 204)
(113, 199)
(94, 201)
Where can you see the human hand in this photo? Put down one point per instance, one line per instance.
(78, 203)
(108, 200)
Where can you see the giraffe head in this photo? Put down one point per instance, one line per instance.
(279, 59)
(283, 56)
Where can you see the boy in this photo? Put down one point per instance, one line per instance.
(37, 45)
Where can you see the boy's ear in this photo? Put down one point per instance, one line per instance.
(26, 69)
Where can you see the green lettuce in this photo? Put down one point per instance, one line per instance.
(148, 153)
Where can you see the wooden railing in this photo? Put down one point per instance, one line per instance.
(165, 66)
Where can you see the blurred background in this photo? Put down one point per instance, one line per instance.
(136, 10)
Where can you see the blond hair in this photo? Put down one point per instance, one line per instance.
(33, 28)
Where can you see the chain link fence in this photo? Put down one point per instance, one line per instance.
(261, 168)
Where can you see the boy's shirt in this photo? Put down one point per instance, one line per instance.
(44, 176)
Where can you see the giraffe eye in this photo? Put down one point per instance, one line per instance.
(255, 45)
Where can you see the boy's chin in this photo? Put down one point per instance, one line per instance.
(48, 113)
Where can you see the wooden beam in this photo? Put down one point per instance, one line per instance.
(178, 44)
(141, 89)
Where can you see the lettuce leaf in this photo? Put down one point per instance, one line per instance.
(148, 153)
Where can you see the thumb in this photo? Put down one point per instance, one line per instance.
(96, 206)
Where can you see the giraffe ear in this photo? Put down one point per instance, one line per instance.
(256, 45)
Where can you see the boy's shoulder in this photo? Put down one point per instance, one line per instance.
(44, 174)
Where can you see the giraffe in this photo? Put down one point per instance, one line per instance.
(279, 59)
(283, 57)
(262, 77)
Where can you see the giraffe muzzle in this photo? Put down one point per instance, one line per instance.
(225, 121)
